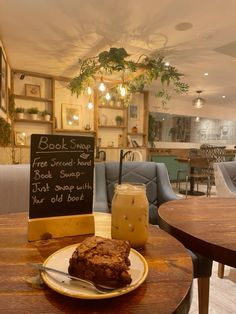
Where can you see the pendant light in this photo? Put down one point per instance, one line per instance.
(198, 102)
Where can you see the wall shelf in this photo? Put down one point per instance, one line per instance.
(32, 98)
(136, 134)
(111, 126)
(73, 131)
(33, 121)
(110, 107)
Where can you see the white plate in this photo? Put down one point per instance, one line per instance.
(62, 284)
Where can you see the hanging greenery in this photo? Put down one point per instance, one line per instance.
(5, 132)
(135, 75)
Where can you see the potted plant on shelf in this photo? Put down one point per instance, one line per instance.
(119, 120)
(33, 112)
(46, 115)
(19, 113)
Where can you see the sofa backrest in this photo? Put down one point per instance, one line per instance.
(14, 188)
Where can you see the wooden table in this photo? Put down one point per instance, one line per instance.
(167, 288)
(206, 226)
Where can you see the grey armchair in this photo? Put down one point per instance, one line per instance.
(153, 175)
(225, 181)
(225, 178)
(159, 190)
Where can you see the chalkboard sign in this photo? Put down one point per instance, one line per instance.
(61, 175)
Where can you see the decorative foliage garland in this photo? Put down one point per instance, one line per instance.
(5, 133)
(139, 75)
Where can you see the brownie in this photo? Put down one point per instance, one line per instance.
(103, 261)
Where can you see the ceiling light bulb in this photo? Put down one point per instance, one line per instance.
(102, 87)
(90, 105)
(122, 91)
(89, 90)
(206, 73)
(108, 96)
(223, 96)
(198, 102)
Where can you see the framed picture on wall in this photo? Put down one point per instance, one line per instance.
(32, 90)
(20, 138)
(3, 82)
(71, 116)
(134, 111)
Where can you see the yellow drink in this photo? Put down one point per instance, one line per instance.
(130, 214)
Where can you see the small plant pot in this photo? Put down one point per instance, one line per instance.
(19, 115)
(33, 116)
(46, 117)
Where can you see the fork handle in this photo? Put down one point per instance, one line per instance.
(57, 271)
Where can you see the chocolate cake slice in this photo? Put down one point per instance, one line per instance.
(103, 261)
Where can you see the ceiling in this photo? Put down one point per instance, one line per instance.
(48, 36)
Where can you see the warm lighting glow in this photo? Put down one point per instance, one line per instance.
(198, 102)
(122, 91)
(197, 119)
(89, 90)
(167, 64)
(90, 105)
(70, 122)
(223, 96)
(102, 86)
(108, 96)
(206, 73)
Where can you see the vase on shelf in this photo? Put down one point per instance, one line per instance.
(103, 119)
(134, 130)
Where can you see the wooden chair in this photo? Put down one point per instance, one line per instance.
(132, 155)
(199, 170)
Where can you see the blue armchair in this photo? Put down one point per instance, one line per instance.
(159, 190)
(153, 175)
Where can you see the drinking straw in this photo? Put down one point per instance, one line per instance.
(120, 166)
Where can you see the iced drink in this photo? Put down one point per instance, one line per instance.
(130, 214)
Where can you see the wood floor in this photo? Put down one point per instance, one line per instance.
(222, 291)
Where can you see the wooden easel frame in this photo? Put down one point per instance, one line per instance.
(61, 226)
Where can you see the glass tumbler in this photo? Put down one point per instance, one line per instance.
(129, 214)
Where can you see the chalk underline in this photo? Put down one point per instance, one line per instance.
(64, 151)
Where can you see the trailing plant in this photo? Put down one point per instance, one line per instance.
(139, 74)
(11, 111)
(5, 132)
(151, 129)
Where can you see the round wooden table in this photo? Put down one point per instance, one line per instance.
(204, 225)
(167, 288)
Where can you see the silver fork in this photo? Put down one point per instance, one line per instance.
(99, 288)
